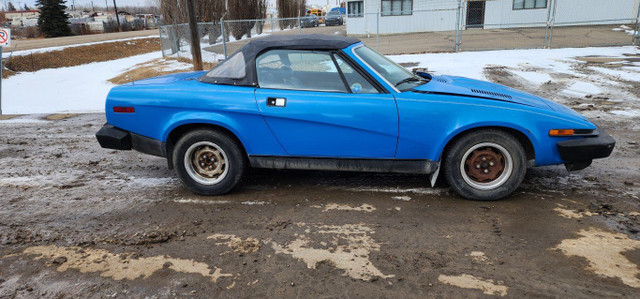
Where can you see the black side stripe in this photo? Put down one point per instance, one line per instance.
(468, 96)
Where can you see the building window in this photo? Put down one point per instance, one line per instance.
(529, 4)
(397, 7)
(355, 9)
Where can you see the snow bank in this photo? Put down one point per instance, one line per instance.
(84, 88)
(75, 89)
(472, 64)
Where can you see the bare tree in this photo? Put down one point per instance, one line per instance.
(246, 10)
(290, 9)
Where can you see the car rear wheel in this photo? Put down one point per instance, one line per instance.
(485, 165)
(208, 162)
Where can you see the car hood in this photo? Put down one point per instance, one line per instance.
(451, 85)
(168, 79)
(481, 89)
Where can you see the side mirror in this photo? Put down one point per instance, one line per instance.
(421, 72)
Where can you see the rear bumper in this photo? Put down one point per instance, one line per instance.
(582, 151)
(114, 138)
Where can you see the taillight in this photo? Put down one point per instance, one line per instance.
(124, 109)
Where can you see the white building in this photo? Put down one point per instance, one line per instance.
(406, 16)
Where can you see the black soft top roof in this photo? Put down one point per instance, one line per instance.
(255, 47)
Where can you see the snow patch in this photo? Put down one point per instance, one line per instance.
(581, 89)
(255, 203)
(536, 78)
(603, 250)
(402, 198)
(76, 89)
(201, 201)
(466, 281)
(427, 191)
(349, 249)
(337, 207)
(118, 266)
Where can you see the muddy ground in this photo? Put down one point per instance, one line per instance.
(80, 221)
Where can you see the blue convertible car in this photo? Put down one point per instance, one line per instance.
(331, 103)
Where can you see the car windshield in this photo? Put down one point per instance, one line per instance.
(333, 13)
(395, 74)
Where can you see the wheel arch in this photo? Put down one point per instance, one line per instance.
(177, 132)
(525, 139)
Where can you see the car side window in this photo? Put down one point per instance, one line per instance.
(356, 82)
(299, 70)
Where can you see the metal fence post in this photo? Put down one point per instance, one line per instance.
(378, 29)
(547, 28)
(159, 34)
(458, 26)
(552, 23)
(299, 24)
(224, 38)
(636, 29)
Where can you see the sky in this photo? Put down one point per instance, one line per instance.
(101, 3)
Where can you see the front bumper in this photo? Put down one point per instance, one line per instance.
(115, 138)
(578, 153)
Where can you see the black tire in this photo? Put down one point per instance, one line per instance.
(204, 141)
(495, 141)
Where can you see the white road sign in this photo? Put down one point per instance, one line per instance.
(5, 37)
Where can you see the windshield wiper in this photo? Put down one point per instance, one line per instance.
(406, 80)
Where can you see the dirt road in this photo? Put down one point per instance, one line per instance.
(19, 45)
(81, 221)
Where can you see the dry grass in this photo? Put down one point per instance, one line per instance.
(80, 55)
(154, 68)
(60, 116)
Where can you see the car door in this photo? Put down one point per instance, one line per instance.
(318, 105)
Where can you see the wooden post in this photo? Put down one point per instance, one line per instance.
(195, 37)
(115, 8)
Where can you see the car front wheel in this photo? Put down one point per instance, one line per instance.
(485, 165)
(208, 162)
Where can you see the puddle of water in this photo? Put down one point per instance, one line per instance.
(348, 248)
(337, 207)
(117, 266)
(236, 243)
(466, 281)
(603, 250)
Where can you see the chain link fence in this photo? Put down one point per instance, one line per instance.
(419, 26)
(220, 39)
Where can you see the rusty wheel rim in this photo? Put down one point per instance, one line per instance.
(486, 166)
(206, 163)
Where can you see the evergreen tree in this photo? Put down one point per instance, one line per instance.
(26, 7)
(53, 21)
(10, 7)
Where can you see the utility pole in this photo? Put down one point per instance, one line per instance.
(195, 37)
(115, 8)
(92, 8)
(106, 3)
